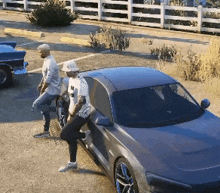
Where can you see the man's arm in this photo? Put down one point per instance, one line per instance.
(78, 106)
(43, 88)
(40, 84)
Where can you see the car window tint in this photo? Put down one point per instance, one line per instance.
(101, 100)
(154, 106)
(99, 97)
(91, 85)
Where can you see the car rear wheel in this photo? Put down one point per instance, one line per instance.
(125, 181)
(5, 76)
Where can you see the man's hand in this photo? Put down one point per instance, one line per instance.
(39, 87)
(69, 119)
(43, 88)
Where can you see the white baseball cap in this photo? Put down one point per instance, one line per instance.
(70, 66)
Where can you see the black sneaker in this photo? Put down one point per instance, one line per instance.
(45, 134)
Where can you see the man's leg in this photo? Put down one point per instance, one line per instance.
(43, 104)
(70, 133)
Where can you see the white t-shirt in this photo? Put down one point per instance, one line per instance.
(51, 75)
(79, 87)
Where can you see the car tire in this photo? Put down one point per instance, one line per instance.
(5, 76)
(124, 177)
(62, 112)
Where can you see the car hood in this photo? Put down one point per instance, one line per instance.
(189, 146)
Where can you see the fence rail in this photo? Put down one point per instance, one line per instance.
(197, 19)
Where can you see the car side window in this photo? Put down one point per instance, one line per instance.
(99, 97)
(91, 85)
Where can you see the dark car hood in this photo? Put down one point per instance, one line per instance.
(189, 146)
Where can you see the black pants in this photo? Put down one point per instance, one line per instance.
(70, 133)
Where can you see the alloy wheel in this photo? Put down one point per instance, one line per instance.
(3, 76)
(124, 179)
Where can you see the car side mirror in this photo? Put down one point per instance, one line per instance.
(103, 121)
(205, 103)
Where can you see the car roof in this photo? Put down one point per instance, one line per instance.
(123, 78)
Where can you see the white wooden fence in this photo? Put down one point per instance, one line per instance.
(163, 16)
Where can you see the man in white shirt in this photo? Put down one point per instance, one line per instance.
(49, 88)
(79, 110)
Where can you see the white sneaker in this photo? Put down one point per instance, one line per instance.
(87, 139)
(68, 166)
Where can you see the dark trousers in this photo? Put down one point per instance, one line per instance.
(70, 133)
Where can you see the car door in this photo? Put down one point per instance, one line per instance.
(100, 108)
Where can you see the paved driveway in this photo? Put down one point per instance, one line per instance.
(31, 165)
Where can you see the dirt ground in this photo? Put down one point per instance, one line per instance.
(28, 165)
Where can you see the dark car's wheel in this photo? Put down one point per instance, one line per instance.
(5, 76)
(62, 112)
(62, 115)
(125, 181)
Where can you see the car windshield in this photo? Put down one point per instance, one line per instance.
(6, 48)
(155, 106)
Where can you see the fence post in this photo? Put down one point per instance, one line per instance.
(25, 4)
(162, 13)
(4, 4)
(100, 10)
(130, 10)
(72, 5)
(200, 14)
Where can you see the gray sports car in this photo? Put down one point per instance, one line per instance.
(149, 134)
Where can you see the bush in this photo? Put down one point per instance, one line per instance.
(109, 38)
(212, 85)
(51, 13)
(210, 62)
(164, 53)
(189, 67)
(168, 68)
(199, 68)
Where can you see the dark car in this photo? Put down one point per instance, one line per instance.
(11, 61)
(149, 134)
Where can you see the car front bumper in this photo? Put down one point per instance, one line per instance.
(22, 70)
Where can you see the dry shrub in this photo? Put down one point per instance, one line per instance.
(109, 38)
(212, 85)
(164, 53)
(167, 68)
(147, 41)
(188, 67)
(210, 62)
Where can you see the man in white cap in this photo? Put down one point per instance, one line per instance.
(79, 111)
(49, 88)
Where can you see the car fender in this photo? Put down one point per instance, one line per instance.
(6, 65)
(138, 169)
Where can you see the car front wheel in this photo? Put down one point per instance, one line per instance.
(5, 76)
(125, 181)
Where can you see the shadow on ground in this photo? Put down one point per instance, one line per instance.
(86, 171)
(193, 41)
(16, 101)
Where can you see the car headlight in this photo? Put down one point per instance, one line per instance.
(162, 182)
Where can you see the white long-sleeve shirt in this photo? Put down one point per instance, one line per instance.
(51, 75)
